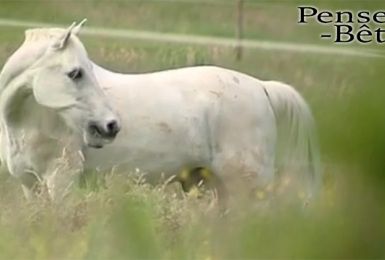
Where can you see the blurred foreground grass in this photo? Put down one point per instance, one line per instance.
(130, 219)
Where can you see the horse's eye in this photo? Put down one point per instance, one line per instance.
(75, 74)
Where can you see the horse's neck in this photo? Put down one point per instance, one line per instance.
(107, 77)
(24, 122)
(20, 60)
(33, 137)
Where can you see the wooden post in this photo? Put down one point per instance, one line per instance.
(239, 30)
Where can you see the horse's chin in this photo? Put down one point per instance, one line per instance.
(95, 146)
(96, 142)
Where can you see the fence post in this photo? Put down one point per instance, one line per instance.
(239, 30)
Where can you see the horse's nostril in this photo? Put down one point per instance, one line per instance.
(107, 130)
(94, 128)
(112, 128)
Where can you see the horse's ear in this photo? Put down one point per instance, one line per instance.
(62, 40)
(79, 26)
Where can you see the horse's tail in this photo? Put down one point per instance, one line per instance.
(297, 146)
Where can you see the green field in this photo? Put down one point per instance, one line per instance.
(130, 219)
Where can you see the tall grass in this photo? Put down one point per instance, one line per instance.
(130, 219)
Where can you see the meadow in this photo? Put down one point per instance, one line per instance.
(126, 218)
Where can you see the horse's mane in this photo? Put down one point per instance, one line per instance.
(35, 43)
(41, 34)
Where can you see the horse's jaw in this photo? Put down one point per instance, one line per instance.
(93, 140)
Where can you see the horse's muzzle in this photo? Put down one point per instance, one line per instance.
(105, 130)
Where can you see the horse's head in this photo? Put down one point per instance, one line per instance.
(62, 80)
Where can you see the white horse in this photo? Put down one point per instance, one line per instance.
(51, 107)
(210, 117)
(192, 117)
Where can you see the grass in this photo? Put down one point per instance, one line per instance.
(130, 219)
(263, 20)
(206, 19)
